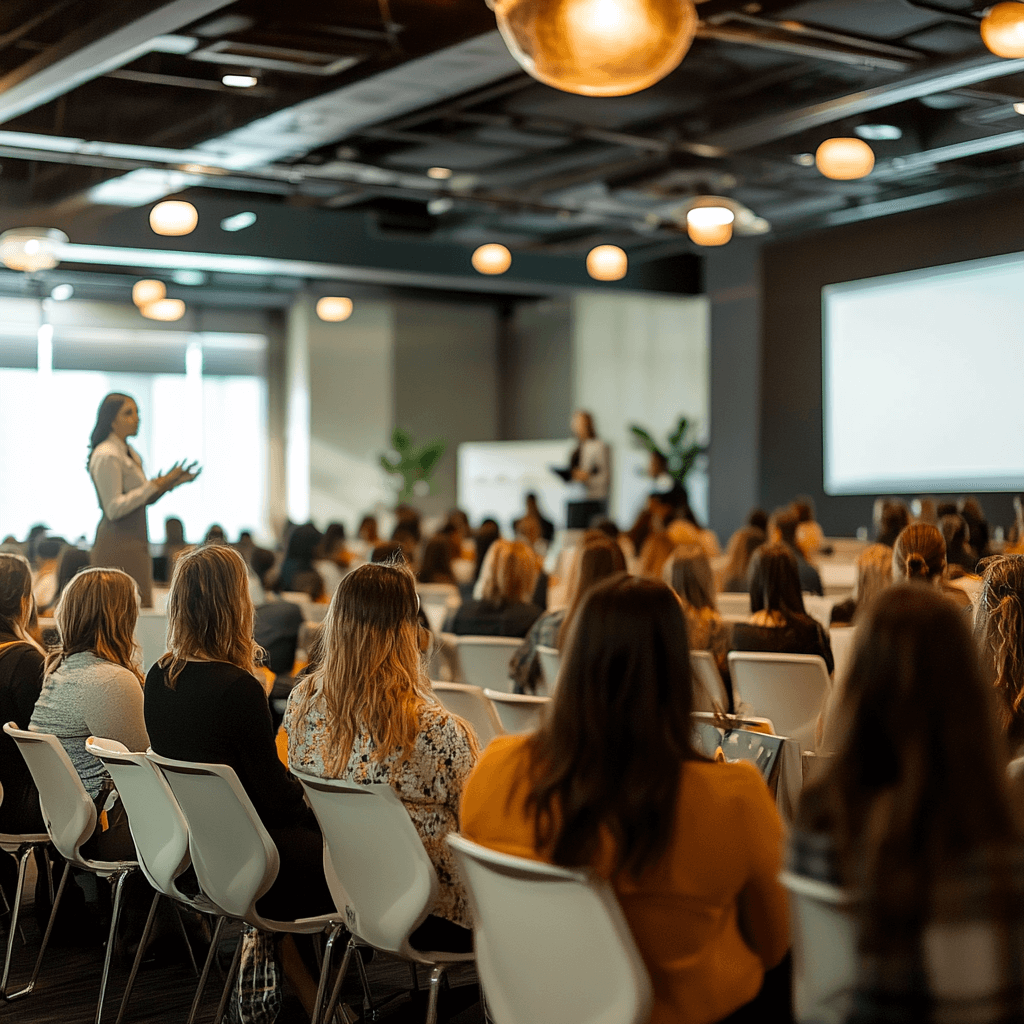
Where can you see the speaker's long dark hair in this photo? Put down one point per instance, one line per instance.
(609, 758)
(105, 416)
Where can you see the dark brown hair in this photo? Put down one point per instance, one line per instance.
(598, 558)
(624, 687)
(919, 553)
(105, 416)
(775, 581)
(15, 588)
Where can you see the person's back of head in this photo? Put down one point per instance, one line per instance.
(916, 782)
(624, 686)
(682, 533)
(215, 535)
(919, 554)
(509, 574)
(262, 561)
(598, 558)
(607, 526)
(72, 561)
(97, 612)
(388, 552)
(368, 529)
(782, 526)
(310, 583)
(688, 573)
(49, 549)
(758, 519)
(894, 516)
(174, 530)
(15, 594)
(407, 517)
(874, 574)
(303, 544)
(654, 554)
(775, 581)
(436, 564)
(333, 539)
(803, 506)
(210, 614)
(999, 629)
(742, 545)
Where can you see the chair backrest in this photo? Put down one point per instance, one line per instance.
(790, 689)
(519, 712)
(552, 945)
(379, 873)
(68, 810)
(824, 936)
(469, 702)
(843, 639)
(550, 659)
(733, 604)
(438, 601)
(157, 825)
(819, 608)
(151, 634)
(484, 661)
(234, 858)
(709, 689)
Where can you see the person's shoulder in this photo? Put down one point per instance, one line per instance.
(502, 753)
(106, 450)
(726, 782)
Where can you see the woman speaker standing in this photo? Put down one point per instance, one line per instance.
(122, 539)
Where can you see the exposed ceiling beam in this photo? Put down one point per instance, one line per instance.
(943, 77)
(122, 33)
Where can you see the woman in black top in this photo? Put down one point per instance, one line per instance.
(778, 622)
(204, 703)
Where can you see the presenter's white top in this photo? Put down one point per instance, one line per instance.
(595, 462)
(121, 484)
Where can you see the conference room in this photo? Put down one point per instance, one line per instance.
(440, 370)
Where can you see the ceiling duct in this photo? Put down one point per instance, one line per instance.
(275, 58)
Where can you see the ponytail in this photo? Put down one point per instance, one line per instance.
(916, 567)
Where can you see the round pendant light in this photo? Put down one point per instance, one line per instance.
(492, 259)
(597, 47)
(173, 217)
(163, 309)
(845, 159)
(334, 308)
(145, 292)
(32, 249)
(1002, 29)
(607, 263)
(710, 222)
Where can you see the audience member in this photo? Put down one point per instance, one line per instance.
(300, 552)
(874, 574)
(778, 621)
(960, 557)
(44, 588)
(919, 555)
(1015, 536)
(368, 530)
(310, 583)
(810, 538)
(782, 528)
(654, 554)
(742, 545)
(408, 518)
(688, 573)
(891, 517)
(638, 533)
(388, 551)
(596, 558)
(504, 606)
(174, 541)
(72, 561)
(436, 565)
(215, 535)
(368, 715)
(911, 816)
(544, 528)
(408, 540)
(93, 687)
(488, 533)
(977, 525)
(611, 783)
(758, 519)
(334, 560)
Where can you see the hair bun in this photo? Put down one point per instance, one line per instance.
(916, 565)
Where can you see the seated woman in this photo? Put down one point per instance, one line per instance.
(691, 846)
(778, 621)
(93, 687)
(204, 703)
(742, 545)
(919, 556)
(502, 604)
(874, 574)
(367, 714)
(911, 816)
(303, 547)
(598, 557)
(688, 573)
(21, 678)
(436, 564)
(654, 554)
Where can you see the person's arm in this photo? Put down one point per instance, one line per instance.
(107, 475)
(115, 710)
(28, 675)
(826, 648)
(600, 471)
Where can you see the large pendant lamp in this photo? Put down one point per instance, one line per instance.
(1002, 29)
(597, 47)
(32, 249)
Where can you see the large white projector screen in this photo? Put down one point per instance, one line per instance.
(923, 380)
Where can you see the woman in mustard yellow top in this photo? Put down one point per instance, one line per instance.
(612, 781)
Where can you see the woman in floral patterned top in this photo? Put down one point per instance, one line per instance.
(368, 715)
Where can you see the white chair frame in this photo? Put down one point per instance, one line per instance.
(484, 660)
(519, 712)
(470, 703)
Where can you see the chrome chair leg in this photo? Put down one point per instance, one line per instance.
(436, 976)
(184, 936)
(325, 970)
(232, 971)
(117, 881)
(342, 971)
(15, 915)
(210, 956)
(139, 953)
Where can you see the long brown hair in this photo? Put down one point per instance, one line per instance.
(919, 553)
(598, 558)
(999, 630)
(97, 612)
(508, 574)
(624, 686)
(15, 590)
(210, 615)
(917, 782)
(371, 673)
(775, 582)
(111, 405)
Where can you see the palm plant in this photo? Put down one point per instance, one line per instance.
(680, 454)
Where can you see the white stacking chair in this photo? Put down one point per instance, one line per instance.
(550, 659)
(380, 876)
(842, 639)
(709, 693)
(790, 689)
(233, 855)
(824, 949)
(438, 601)
(484, 660)
(734, 605)
(21, 848)
(519, 712)
(151, 635)
(552, 945)
(469, 702)
(819, 608)
(70, 816)
(160, 834)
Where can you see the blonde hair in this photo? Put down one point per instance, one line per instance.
(999, 630)
(874, 574)
(654, 554)
(509, 573)
(97, 612)
(371, 674)
(210, 615)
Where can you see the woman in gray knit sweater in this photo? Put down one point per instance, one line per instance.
(92, 686)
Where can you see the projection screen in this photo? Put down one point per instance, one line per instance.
(923, 380)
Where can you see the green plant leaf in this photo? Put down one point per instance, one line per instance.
(401, 440)
(645, 439)
(388, 466)
(677, 435)
(430, 455)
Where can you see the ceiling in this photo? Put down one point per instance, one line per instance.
(105, 108)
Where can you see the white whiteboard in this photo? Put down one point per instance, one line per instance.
(495, 477)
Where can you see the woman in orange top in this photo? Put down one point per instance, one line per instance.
(612, 781)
